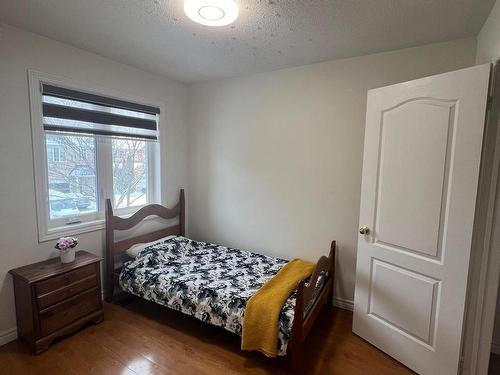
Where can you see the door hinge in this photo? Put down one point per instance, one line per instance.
(460, 365)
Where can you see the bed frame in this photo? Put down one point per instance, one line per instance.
(306, 297)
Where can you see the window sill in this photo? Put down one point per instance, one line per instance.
(71, 230)
(85, 227)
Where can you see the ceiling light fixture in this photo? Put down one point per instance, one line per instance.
(211, 12)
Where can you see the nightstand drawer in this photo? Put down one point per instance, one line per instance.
(56, 282)
(65, 292)
(62, 314)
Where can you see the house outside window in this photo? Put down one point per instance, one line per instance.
(55, 152)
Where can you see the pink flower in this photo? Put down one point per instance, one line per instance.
(66, 243)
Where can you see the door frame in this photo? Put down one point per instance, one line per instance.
(485, 264)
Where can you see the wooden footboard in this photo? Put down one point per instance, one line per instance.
(309, 303)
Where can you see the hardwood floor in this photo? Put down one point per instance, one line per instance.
(143, 338)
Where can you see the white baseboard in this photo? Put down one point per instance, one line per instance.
(342, 303)
(495, 348)
(8, 336)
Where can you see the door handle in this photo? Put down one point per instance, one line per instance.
(364, 230)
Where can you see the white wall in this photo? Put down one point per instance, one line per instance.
(275, 158)
(488, 50)
(20, 50)
(488, 40)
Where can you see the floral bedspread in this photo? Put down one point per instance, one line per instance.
(210, 282)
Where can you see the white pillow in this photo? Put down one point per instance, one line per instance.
(138, 247)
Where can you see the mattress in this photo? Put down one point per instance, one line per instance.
(210, 282)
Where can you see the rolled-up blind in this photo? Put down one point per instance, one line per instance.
(66, 110)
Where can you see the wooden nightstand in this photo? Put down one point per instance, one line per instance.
(55, 299)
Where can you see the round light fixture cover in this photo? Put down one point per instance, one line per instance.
(211, 12)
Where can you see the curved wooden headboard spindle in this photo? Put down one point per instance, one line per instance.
(114, 248)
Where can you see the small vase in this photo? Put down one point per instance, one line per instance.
(67, 256)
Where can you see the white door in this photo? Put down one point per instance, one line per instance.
(421, 161)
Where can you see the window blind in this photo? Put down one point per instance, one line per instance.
(67, 110)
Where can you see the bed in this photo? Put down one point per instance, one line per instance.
(208, 281)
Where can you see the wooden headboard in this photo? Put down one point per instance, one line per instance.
(114, 223)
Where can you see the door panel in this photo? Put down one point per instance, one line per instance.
(421, 162)
(416, 316)
(410, 197)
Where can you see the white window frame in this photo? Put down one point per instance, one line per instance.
(89, 222)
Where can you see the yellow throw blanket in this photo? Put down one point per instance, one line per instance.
(260, 323)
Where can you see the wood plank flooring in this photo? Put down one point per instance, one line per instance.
(142, 338)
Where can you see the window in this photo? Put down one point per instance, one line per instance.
(55, 152)
(130, 172)
(89, 147)
(73, 181)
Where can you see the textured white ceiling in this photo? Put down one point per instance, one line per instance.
(156, 36)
